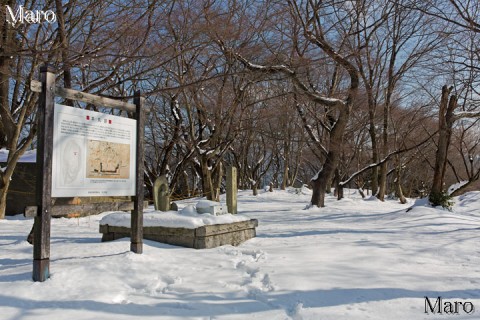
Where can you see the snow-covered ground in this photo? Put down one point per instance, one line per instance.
(354, 259)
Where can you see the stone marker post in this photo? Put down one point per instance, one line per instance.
(160, 194)
(232, 190)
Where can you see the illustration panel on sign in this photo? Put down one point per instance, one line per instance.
(108, 160)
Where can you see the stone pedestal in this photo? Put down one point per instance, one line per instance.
(205, 237)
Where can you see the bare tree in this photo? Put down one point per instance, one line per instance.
(19, 58)
(312, 17)
(84, 49)
(398, 45)
(466, 141)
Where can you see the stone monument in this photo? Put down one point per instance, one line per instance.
(232, 190)
(161, 196)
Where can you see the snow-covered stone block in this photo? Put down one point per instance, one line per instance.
(211, 207)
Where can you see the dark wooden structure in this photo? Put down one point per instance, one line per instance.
(21, 192)
(44, 200)
(84, 209)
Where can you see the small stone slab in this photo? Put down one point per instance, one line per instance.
(204, 237)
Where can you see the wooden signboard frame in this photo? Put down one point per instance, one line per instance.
(42, 223)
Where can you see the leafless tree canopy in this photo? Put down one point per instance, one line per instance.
(329, 94)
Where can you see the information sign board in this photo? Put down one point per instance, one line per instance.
(93, 154)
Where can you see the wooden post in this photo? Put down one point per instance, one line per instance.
(41, 247)
(232, 190)
(136, 240)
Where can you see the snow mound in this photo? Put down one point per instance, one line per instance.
(422, 202)
(421, 215)
(467, 203)
(189, 211)
(205, 204)
(172, 219)
(469, 198)
(303, 190)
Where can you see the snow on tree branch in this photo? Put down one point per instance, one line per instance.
(313, 95)
(466, 114)
(373, 165)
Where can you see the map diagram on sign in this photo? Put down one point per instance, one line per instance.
(108, 160)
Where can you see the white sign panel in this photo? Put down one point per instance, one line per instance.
(93, 154)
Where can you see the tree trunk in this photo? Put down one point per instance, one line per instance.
(3, 202)
(382, 188)
(275, 174)
(374, 180)
(195, 181)
(286, 163)
(338, 186)
(328, 188)
(218, 182)
(360, 191)
(335, 181)
(187, 185)
(333, 155)
(6, 51)
(445, 123)
(285, 183)
(5, 184)
(374, 175)
(7, 125)
(382, 185)
(398, 184)
(62, 35)
(254, 189)
(340, 192)
(207, 185)
(373, 138)
(400, 195)
(318, 194)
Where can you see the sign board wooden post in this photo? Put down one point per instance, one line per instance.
(136, 238)
(41, 248)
